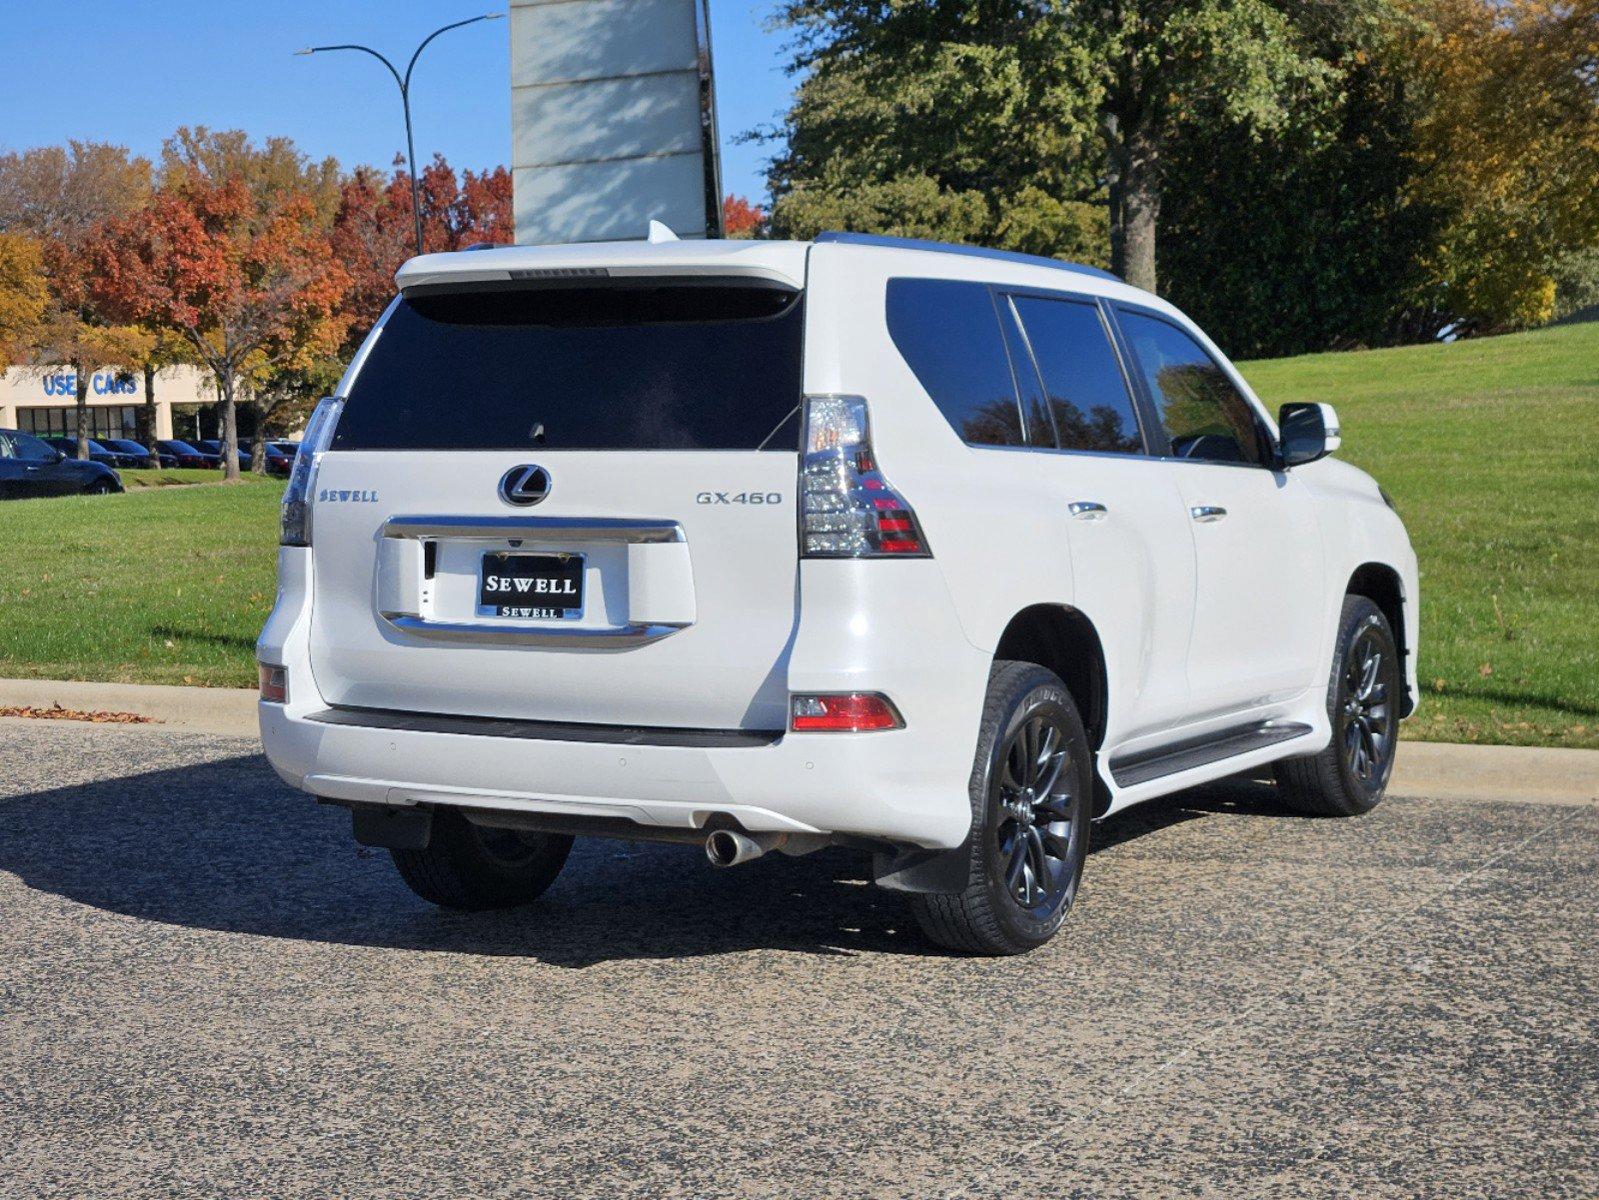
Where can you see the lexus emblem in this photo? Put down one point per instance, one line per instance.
(524, 485)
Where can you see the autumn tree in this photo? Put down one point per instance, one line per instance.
(274, 170)
(1507, 145)
(162, 349)
(63, 196)
(23, 295)
(741, 219)
(237, 274)
(372, 228)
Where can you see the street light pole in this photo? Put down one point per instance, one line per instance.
(404, 84)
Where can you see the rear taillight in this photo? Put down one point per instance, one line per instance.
(274, 683)
(847, 508)
(296, 515)
(844, 712)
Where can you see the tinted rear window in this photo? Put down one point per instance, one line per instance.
(594, 368)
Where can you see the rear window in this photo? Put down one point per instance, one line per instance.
(674, 367)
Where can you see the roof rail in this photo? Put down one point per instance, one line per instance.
(898, 243)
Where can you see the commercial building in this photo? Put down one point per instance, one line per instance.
(43, 401)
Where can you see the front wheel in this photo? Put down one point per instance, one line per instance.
(1030, 789)
(475, 867)
(100, 487)
(1349, 776)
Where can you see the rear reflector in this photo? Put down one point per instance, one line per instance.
(847, 712)
(274, 683)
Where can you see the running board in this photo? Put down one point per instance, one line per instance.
(1200, 752)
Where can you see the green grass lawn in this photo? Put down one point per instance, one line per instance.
(161, 585)
(147, 477)
(1490, 448)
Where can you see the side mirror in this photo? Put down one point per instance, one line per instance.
(1309, 432)
(61, 456)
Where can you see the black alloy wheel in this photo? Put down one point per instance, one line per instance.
(1031, 791)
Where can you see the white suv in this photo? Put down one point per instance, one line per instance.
(935, 552)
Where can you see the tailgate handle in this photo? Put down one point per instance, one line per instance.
(535, 529)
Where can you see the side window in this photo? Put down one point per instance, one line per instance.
(949, 335)
(5, 447)
(1204, 415)
(1082, 377)
(33, 448)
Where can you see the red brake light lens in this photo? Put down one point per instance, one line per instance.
(846, 712)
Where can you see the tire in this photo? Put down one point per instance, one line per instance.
(1349, 776)
(1012, 846)
(100, 487)
(474, 868)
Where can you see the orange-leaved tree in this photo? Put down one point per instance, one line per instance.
(373, 233)
(237, 274)
(741, 219)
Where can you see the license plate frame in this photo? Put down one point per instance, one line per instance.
(509, 568)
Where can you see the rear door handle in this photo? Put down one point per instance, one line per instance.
(1206, 513)
(1088, 510)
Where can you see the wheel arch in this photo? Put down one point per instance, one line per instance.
(1063, 640)
(1382, 585)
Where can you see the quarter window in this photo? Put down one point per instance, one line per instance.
(1204, 415)
(949, 335)
(1088, 396)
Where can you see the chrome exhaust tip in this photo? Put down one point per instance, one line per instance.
(728, 847)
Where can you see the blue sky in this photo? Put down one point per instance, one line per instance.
(131, 71)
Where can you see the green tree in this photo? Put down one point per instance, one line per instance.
(999, 104)
(954, 121)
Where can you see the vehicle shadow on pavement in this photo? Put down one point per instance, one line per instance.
(225, 846)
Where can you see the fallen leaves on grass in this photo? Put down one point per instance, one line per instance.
(55, 712)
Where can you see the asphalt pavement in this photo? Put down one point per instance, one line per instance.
(207, 989)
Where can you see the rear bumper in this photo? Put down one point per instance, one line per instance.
(890, 785)
(907, 786)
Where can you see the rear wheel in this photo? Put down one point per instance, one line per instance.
(1349, 776)
(1030, 790)
(475, 867)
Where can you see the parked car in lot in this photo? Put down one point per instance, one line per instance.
(932, 552)
(142, 453)
(98, 452)
(213, 447)
(186, 455)
(280, 457)
(30, 466)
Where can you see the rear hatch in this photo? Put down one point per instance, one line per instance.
(566, 502)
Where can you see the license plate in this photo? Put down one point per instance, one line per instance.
(546, 587)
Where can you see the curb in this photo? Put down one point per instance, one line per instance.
(229, 711)
(1543, 775)
(1439, 770)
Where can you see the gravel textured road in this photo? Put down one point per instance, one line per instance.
(206, 989)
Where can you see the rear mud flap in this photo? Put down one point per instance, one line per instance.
(943, 872)
(392, 828)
